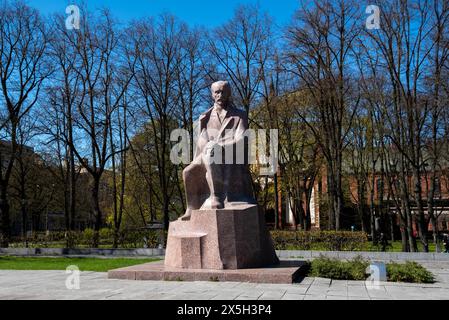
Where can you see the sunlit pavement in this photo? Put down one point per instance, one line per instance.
(52, 285)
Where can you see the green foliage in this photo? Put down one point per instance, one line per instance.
(355, 269)
(75, 239)
(409, 272)
(72, 239)
(106, 234)
(135, 239)
(320, 240)
(339, 270)
(88, 237)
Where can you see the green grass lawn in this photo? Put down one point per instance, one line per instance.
(84, 264)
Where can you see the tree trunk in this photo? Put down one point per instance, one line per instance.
(410, 233)
(361, 203)
(392, 216)
(331, 199)
(66, 205)
(308, 194)
(339, 198)
(434, 223)
(404, 238)
(97, 211)
(422, 228)
(72, 191)
(5, 222)
(24, 222)
(277, 212)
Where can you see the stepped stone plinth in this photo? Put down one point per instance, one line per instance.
(228, 239)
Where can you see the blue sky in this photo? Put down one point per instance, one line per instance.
(194, 12)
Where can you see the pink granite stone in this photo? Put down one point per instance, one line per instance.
(224, 239)
(284, 273)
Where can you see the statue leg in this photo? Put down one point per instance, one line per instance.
(196, 186)
(215, 177)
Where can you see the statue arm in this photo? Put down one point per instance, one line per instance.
(199, 146)
(239, 135)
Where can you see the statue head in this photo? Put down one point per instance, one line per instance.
(221, 92)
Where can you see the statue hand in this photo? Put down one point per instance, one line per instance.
(209, 146)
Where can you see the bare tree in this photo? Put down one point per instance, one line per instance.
(119, 141)
(157, 49)
(320, 40)
(23, 44)
(437, 83)
(241, 47)
(405, 49)
(100, 78)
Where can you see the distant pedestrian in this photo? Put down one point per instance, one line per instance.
(383, 242)
(446, 243)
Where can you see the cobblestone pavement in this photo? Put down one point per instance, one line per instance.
(51, 285)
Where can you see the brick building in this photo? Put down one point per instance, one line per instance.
(389, 203)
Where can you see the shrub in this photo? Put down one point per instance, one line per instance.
(339, 270)
(135, 239)
(320, 240)
(106, 235)
(409, 272)
(88, 237)
(73, 239)
(129, 239)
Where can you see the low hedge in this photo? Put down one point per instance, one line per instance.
(339, 270)
(320, 240)
(409, 272)
(130, 239)
(355, 269)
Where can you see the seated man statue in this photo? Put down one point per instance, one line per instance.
(219, 175)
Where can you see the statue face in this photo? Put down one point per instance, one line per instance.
(221, 93)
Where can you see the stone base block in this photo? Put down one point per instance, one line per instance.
(228, 239)
(286, 272)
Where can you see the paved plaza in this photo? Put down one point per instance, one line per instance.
(51, 285)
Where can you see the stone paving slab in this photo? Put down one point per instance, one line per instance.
(295, 297)
(51, 285)
(375, 256)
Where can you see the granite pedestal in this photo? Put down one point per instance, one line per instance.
(286, 272)
(231, 245)
(229, 239)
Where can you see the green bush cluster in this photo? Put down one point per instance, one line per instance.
(41, 240)
(320, 240)
(355, 269)
(339, 270)
(85, 239)
(409, 272)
